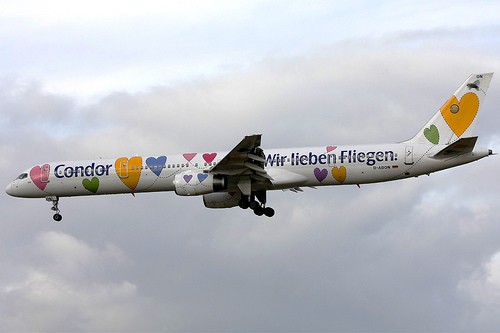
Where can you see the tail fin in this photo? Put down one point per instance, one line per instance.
(456, 118)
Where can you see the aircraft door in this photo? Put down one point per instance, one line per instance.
(409, 155)
(331, 159)
(45, 173)
(123, 168)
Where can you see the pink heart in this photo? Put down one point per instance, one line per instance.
(209, 157)
(189, 156)
(330, 148)
(40, 175)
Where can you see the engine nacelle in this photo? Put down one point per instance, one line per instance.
(196, 182)
(221, 200)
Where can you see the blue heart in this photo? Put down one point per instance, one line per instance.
(156, 165)
(202, 177)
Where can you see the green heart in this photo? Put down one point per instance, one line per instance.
(432, 134)
(91, 185)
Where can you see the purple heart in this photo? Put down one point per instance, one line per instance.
(320, 174)
(156, 165)
(202, 177)
(187, 178)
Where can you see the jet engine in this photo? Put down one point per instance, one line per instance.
(221, 200)
(196, 182)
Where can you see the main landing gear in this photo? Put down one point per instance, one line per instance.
(55, 207)
(258, 207)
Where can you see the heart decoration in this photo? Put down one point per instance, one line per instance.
(187, 178)
(320, 174)
(209, 157)
(339, 174)
(202, 177)
(432, 134)
(129, 170)
(330, 148)
(40, 175)
(91, 185)
(189, 156)
(156, 165)
(459, 115)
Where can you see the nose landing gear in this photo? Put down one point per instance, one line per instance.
(55, 207)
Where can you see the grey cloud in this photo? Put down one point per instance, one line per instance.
(403, 256)
(59, 289)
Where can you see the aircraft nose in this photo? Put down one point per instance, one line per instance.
(8, 189)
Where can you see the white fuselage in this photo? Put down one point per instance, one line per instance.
(288, 168)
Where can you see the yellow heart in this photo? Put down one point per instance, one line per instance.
(459, 115)
(129, 170)
(339, 174)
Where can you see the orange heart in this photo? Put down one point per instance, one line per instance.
(339, 174)
(460, 115)
(129, 170)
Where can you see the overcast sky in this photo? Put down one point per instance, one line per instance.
(105, 79)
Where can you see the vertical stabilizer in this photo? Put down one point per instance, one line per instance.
(456, 118)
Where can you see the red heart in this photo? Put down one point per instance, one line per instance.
(209, 157)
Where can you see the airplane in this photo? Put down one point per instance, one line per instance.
(242, 176)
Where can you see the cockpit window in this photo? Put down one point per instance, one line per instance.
(22, 176)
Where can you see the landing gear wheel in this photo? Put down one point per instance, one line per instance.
(269, 212)
(244, 204)
(254, 204)
(259, 211)
(256, 201)
(57, 217)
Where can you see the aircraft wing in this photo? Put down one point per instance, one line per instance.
(245, 159)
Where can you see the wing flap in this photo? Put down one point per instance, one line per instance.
(243, 160)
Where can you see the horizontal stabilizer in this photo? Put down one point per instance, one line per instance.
(459, 147)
